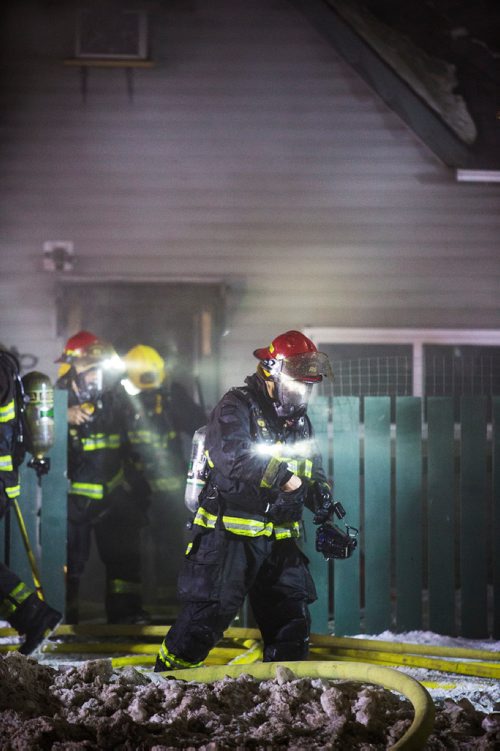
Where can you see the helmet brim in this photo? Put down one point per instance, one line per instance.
(262, 354)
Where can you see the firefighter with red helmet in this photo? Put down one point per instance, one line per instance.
(20, 605)
(264, 466)
(99, 498)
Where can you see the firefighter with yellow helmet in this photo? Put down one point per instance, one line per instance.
(20, 604)
(100, 501)
(159, 413)
(263, 467)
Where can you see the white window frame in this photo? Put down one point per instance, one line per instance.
(416, 338)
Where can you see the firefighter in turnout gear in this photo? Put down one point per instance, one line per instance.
(100, 499)
(264, 466)
(158, 413)
(20, 605)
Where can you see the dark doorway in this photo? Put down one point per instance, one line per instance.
(184, 323)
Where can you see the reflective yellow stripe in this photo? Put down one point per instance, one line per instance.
(144, 437)
(91, 490)
(101, 441)
(172, 662)
(287, 530)
(204, 519)
(171, 483)
(210, 462)
(299, 467)
(270, 473)
(188, 549)
(96, 490)
(14, 599)
(247, 527)
(13, 492)
(8, 412)
(6, 463)
(122, 587)
(115, 481)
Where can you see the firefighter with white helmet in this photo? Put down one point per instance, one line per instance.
(264, 466)
(99, 499)
(159, 411)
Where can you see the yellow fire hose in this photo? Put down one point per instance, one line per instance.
(414, 738)
(29, 552)
(473, 668)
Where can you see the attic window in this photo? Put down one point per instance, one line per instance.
(111, 34)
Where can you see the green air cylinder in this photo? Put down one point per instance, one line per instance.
(38, 413)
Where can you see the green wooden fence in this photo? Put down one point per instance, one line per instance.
(425, 495)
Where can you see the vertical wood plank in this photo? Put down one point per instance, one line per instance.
(473, 532)
(377, 530)
(346, 487)
(409, 574)
(441, 515)
(54, 510)
(319, 414)
(496, 517)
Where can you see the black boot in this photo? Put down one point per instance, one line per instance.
(126, 608)
(36, 620)
(72, 592)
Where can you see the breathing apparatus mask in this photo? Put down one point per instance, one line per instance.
(294, 378)
(89, 383)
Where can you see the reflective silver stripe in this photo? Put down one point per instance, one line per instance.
(8, 412)
(299, 467)
(6, 463)
(247, 527)
(101, 441)
(282, 532)
(270, 473)
(204, 519)
(89, 489)
(13, 491)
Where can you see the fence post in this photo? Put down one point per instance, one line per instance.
(346, 486)
(441, 515)
(473, 532)
(377, 532)
(409, 578)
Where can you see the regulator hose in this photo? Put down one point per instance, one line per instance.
(413, 740)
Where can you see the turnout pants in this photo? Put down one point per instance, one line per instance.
(218, 572)
(117, 535)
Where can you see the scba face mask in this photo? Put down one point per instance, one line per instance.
(90, 384)
(292, 397)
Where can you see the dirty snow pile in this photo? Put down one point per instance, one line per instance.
(91, 706)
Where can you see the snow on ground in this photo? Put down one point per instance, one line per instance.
(89, 705)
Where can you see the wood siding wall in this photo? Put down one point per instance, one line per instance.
(250, 154)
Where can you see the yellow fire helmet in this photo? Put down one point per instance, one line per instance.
(145, 367)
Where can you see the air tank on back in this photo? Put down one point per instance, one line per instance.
(38, 417)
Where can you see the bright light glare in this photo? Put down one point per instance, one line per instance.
(129, 387)
(114, 363)
(301, 448)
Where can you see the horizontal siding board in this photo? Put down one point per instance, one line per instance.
(250, 153)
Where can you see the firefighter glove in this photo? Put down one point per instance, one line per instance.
(323, 503)
(287, 507)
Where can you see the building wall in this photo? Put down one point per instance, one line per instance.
(251, 154)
